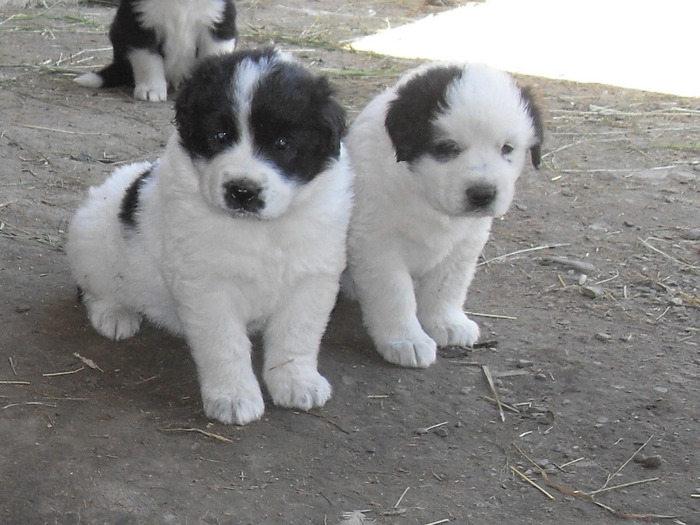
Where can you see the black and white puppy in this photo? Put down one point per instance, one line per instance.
(435, 157)
(158, 42)
(241, 225)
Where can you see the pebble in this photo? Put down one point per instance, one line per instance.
(648, 461)
(592, 291)
(602, 337)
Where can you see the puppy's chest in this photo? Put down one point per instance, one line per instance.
(179, 24)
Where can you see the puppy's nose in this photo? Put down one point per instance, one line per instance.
(243, 195)
(481, 195)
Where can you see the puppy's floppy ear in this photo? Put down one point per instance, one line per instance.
(534, 111)
(418, 101)
(333, 118)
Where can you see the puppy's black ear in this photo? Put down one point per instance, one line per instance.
(333, 118)
(418, 101)
(533, 109)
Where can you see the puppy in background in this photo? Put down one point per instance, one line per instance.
(240, 226)
(436, 158)
(158, 42)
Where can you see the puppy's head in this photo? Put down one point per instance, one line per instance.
(464, 132)
(257, 126)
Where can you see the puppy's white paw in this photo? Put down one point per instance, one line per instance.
(419, 352)
(236, 408)
(113, 320)
(302, 389)
(457, 330)
(155, 93)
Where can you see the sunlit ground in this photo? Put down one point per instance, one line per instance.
(639, 44)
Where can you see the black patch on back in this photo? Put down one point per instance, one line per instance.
(130, 202)
(295, 121)
(409, 116)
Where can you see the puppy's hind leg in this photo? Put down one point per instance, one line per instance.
(110, 318)
(292, 338)
(149, 75)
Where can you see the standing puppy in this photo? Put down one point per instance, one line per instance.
(436, 158)
(157, 42)
(240, 225)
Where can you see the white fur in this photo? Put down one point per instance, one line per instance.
(183, 27)
(412, 246)
(197, 269)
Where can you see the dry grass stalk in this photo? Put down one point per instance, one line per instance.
(15, 383)
(519, 252)
(199, 431)
(67, 373)
(489, 379)
(88, 362)
(525, 478)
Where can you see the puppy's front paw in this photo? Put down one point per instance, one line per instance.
(457, 330)
(113, 320)
(419, 352)
(235, 407)
(302, 389)
(152, 93)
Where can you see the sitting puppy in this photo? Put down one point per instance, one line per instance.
(435, 158)
(157, 42)
(240, 225)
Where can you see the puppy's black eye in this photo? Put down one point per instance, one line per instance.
(506, 149)
(445, 150)
(221, 137)
(282, 144)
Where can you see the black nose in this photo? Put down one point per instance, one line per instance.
(481, 195)
(243, 195)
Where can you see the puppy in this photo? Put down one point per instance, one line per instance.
(436, 157)
(157, 42)
(241, 225)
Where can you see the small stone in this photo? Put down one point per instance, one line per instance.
(524, 363)
(22, 308)
(442, 432)
(592, 291)
(648, 461)
(602, 337)
(661, 389)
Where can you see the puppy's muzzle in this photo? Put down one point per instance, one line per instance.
(243, 196)
(481, 196)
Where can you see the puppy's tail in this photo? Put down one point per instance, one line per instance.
(116, 74)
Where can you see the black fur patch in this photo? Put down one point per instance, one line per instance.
(130, 201)
(295, 121)
(535, 113)
(409, 117)
(226, 28)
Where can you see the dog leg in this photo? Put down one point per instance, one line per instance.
(111, 319)
(221, 349)
(292, 338)
(149, 75)
(388, 307)
(441, 294)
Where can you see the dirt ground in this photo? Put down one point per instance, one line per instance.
(588, 298)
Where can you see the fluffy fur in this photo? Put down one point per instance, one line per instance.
(158, 42)
(436, 157)
(240, 226)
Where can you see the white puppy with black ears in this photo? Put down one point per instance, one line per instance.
(158, 42)
(240, 225)
(436, 157)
